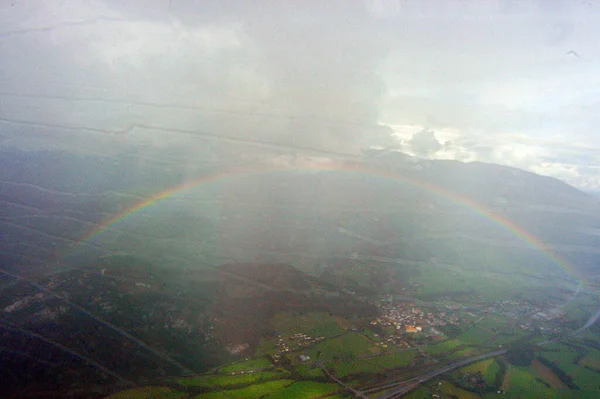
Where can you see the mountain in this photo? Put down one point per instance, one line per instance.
(269, 207)
(489, 183)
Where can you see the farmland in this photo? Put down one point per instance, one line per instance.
(463, 352)
(508, 280)
(591, 360)
(450, 390)
(488, 369)
(444, 347)
(546, 373)
(150, 392)
(348, 346)
(304, 390)
(249, 365)
(209, 381)
(406, 337)
(358, 357)
(476, 336)
(560, 354)
(441, 389)
(251, 392)
(520, 382)
(309, 370)
(373, 364)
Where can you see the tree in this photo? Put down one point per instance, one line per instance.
(520, 354)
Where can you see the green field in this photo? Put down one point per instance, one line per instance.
(452, 391)
(521, 383)
(371, 334)
(149, 393)
(314, 324)
(254, 364)
(591, 359)
(464, 352)
(507, 335)
(562, 354)
(373, 365)
(488, 369)
(489, 271)
(304, 390)
(351, 345)
(419, 393)
(493, 322)
(433, 281)
(252, 392)
(585, 379)
(308, 370)
(580, 309)
(443, 347)
(266, 347)
(224, 381)
(476, 336)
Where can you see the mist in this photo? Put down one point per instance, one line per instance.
(305, 77)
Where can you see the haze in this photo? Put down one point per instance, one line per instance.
(509, 82)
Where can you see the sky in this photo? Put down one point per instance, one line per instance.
(504, 81)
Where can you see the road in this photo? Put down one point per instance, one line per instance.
(415, 382)
(589, 323)
(357, 393)
(408, 385)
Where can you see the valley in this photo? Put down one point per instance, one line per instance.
(360, 287)
(343, 334)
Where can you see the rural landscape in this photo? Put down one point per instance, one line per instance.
(190, 315)
(481, 348)
(258, 199)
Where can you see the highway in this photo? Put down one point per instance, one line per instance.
(589, 323)
(415, 382)
(406, 386)
(357, 393)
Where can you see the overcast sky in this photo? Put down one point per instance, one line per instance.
(506, 81)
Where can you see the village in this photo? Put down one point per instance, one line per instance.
(404, 324)
(400, 320)
(294, 342)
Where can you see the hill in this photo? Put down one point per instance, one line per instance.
(250, 295)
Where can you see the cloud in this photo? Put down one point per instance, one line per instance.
(305, 76)
(425, 143)
(492, 80)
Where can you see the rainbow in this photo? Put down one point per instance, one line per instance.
(335, 166)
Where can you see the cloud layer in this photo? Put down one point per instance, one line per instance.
(499, 81)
